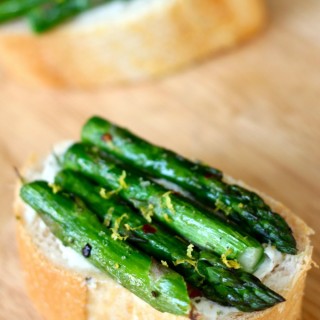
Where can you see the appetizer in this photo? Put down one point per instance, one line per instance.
(118, 228)
(88, 44)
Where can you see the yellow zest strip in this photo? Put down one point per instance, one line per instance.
(122, 181)
(147, 212)
(164, 263)
(191, 262)
(189, 250)
(55, 188)
(108, 217)
(234, 264)
(115, 234)
(168, 202)
(129, 228)
(107, 195)
(166, 217)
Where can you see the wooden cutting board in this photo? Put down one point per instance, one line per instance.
(253, 112)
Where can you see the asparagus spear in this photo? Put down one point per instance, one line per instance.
(77, 227)
(207, 273)
(172, 210)
(10, 9)
(240, 205)
(53, 12)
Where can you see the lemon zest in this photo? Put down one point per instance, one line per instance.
(108, 216)
(129, 228)
(233, 264)
(168, 202)
(55, 188)
(167, 218)
(164, 263)
(122, 181)
(107, 195)
(190, 261)
(123, 185)
(147, 212)
(115, 230)
(189, 250)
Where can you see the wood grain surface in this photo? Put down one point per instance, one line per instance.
(253, 112)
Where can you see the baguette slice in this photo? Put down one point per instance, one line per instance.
(63, 285)
(127, 40)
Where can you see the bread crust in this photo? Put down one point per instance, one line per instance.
(59, 293)
(153, 44)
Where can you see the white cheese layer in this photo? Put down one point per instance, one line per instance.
(51, 245)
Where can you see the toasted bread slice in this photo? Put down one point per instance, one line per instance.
(63, 285)
(128, 40)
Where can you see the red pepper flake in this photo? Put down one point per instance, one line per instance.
(86, 250)
(106, 137)
(147, 228)
(209, 175)
(213, 175)
(193, 292)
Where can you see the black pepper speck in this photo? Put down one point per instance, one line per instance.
(155, 294)
(86, 250)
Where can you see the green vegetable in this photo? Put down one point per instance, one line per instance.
(244, 207)
(172, 210)
(46, 14)
(10, 9)
(203, 270)
(79, 228)
(53, 12)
